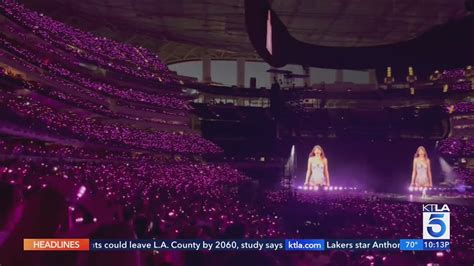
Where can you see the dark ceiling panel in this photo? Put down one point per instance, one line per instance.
(217, 24)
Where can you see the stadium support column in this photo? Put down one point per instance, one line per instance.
(339, 76)
(206, 68)
(241, 72)
(307, 79)
(273, 77)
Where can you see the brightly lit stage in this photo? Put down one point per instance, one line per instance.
(434, 195)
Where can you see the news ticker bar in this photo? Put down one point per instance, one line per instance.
(61, 244)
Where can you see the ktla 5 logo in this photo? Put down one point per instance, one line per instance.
(436, 222)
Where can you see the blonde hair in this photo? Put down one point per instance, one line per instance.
(312, 153)
(417, 155)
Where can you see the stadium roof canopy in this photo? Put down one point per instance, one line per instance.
(182, 30)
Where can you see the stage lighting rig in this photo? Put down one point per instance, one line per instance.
(411, 78)
(389, 79)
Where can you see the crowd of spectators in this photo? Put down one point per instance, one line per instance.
(18, 147)
(73, 80)
(372, 216)
(154, 200)
(460, 108)
(134, 61)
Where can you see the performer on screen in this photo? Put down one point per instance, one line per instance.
(421, 174)
(317, 173)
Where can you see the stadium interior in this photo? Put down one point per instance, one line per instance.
(194, 120)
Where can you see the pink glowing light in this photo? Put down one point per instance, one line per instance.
(269, 43)
(81, 192)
